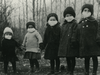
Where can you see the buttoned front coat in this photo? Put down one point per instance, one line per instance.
(68, 37)
(51, 41)
(88, 36)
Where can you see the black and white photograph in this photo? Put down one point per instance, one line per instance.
(49, 37)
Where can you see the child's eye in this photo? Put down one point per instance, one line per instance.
(30, 27)
(86, 10)
(52, 20)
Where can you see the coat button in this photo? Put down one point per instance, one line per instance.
(87, 26)
(82, 21)
(85, 20)
(83, 26)
(68, 34)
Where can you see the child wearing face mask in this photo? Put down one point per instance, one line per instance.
(51, 42)
(68, 42)
(88, 38)
(31, 42)
(8, 46)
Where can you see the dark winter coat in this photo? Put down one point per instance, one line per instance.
(68, 43)
(8, 49)
(88, 37)
(51, 41)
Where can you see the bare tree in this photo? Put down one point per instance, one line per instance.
(33, 10)
(26, 10)
(75, 5)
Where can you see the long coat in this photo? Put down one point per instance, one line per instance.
(51, 41)
(8, 49)
(68, 43)
(88, 37)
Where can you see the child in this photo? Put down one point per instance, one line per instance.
(68, 42)
(31, 41)
(8, 46)
(51, 41)
(88, 39)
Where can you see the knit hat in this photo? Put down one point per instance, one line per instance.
(89, 6)
(69, 10)
(52, 15)
(7, 29)
(30, 23)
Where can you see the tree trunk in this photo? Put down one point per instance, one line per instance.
(60, 11)
(26, 10)
(33, 10)
(75, 5)
(45, 8)
(51, 5)
(24, 26)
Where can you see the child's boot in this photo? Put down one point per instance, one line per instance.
(32, 69)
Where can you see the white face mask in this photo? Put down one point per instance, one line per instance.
(8, 37)
(31, 30)
(52, 23)
(69, 19)
(86, 14)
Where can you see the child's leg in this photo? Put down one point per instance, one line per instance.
(52, 63)
(5, 66)
(95, 64)
(87, 63)
(32, 64)
(57, 64)
(73, 62)
(68, 64)
(36, 63)
(14, 65)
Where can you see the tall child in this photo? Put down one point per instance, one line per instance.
(88, 38)
(68, 41)
(8, 46)
(31, 42)
(51, 41)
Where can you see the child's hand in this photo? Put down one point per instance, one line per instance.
(23, 48)
(41, 46)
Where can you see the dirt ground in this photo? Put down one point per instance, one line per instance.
(23, 67)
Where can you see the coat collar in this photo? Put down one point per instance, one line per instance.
(91, 19)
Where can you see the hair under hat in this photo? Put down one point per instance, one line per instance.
(52, 15)
(7, 29)
(30, 23)
(89, 6)
(69, 10)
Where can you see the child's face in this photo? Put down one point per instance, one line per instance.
(69, 17)
(52, 21)
(8, 35)
(30, 26)
(86, 10)
(86, 13)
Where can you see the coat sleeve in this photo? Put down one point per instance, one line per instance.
(24, 41)
(74, 33)
(98, 31)
(1, 46)
(39, 37)
(45, 40)
(18, 45)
